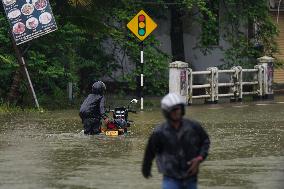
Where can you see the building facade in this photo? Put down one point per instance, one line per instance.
(277, 14)
(192, 32)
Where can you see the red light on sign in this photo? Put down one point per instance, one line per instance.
(141, 18)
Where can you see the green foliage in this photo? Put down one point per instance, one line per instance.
(78, 53)
(156, 62)
(7, 60)
(92, 42)
(7, 108)
(236, 17)
(246, 48)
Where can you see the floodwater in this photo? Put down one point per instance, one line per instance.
(47, 150)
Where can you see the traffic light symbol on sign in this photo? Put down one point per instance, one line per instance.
(141, 25)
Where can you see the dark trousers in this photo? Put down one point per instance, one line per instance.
(171, 183)
(92, 126)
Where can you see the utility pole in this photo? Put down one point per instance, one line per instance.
(22, 63)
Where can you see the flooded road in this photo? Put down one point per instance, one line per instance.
(46, 150)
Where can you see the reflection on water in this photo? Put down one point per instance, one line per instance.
(48, 151)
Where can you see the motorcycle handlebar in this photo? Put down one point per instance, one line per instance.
(128, 110)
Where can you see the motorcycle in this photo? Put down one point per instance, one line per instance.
(120, 123)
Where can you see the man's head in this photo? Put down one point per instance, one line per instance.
(99, 88)
(173, 107)
(176, 113)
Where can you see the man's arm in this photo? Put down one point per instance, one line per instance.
(203, 152)
(102, 110)
(149, 155)
(205, 142)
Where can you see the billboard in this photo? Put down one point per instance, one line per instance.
(29, 19)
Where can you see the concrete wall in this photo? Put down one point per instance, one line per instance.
(193, 55)
(162, 33)
(122, 60)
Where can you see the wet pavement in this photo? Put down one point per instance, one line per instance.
(47, 150)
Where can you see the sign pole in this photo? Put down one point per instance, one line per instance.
(142, 75)
(22, 63)
(141, 26)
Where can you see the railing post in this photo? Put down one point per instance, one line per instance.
(264, 77)
(240, 80)
(190, 82)
(216, 85)
(212, 81)
(259, 76)
(212, 91)
(235, 79)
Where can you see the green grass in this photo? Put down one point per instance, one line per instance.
(8, 108)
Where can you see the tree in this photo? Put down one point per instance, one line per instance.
(77, 51)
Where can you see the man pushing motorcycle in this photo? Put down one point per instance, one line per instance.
(92, 109)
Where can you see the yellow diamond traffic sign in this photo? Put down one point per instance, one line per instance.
(142, 25)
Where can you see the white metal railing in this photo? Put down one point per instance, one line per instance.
(236, 83)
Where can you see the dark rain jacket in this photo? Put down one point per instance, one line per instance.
(173, 148)
(93, 107)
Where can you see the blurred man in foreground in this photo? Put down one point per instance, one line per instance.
(178, 144)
